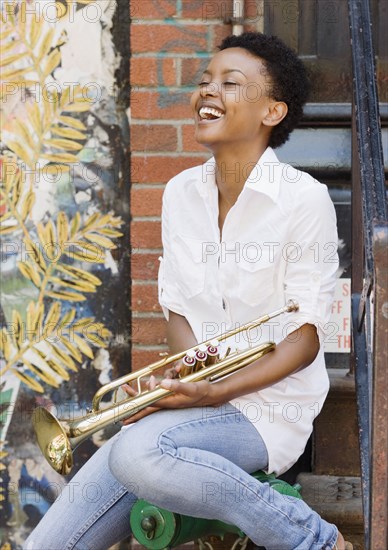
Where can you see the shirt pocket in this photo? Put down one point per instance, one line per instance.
(255, 281)
(191, 265)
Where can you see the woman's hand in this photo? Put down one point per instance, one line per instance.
(185, 395)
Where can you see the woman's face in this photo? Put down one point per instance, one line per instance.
(232, 100)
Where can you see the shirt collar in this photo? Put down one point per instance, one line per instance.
(264, 178)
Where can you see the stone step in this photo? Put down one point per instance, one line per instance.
(336, 449)
(338, 500)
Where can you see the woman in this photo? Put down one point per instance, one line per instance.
(241, 235)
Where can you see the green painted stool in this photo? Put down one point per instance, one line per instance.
(158, 529)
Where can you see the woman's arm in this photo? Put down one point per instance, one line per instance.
(179, 334)
(294, 353)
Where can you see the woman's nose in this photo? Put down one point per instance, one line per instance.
(210, 89)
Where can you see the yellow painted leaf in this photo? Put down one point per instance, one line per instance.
(30, 319)
(82, 323)
(79, 107)
(12, 75)
(61, 158)
(72, 122)
(52, 62)
(38, 319)
(66, 295)
(70, 133)
(101, 241)
(58, 369)
(52, 318)
(17, 329)
(91, 220)
(27, 205)
(20, 151)
(79, 273)
(83, 346)
(35, 31)
(35, 254)
(28, 272)
(66, 144)
(74, 352)
(5, 230)
(81, 286)
(10, 46)
(94, 339)
(28, 380)
(4, 61)
(6, 33)
(35, 117)
(110, 232)
(86, 256)
(68, 318)
(57, 169)
(40, 373)
(46, 44)
(7, 348)
(21, 129)
(62, 228)
(66, 359)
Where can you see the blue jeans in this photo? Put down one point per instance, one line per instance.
(193, 461)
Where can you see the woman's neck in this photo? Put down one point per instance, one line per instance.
(233, 168)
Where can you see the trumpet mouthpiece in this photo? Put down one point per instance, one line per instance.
(292, 305)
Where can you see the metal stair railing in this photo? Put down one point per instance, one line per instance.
(369, 279)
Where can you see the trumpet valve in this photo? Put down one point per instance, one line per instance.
(201, 357)
(188, 363)
(212, 353)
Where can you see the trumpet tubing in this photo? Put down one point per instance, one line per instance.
(57, 438)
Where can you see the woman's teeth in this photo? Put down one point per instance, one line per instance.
(209, 113)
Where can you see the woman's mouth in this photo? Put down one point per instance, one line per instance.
(210, 113)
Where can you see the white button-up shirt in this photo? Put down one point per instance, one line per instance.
(278, 242)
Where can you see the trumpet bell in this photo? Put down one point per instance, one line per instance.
(53, 440)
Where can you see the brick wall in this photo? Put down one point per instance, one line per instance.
(171, 42)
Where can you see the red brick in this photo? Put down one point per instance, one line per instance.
(153, 105)
(145, 298)
(146, 202)
(147, 9)
(253, 13)
(169, 38)
(142, 358)
(149, 330)
(219, 33)
(189, 143)
(153, 137)
(144, 266)
(192, 70)
(160, 169)
(146, 234)
(207, 9)
(146, 71)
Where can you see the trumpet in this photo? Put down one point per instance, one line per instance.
(57, 438)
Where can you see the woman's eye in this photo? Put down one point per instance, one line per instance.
(230, 84)
(204, 84)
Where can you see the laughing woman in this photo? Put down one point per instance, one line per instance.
(242, 234)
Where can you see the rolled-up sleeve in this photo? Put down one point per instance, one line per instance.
(170, 298)
(312, 261)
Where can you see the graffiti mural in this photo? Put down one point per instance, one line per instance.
(64, 228)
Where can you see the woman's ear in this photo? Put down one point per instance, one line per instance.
(277, 110)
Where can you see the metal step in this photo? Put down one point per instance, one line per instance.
(338, 500)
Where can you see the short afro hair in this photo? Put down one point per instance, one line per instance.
(290, 82)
